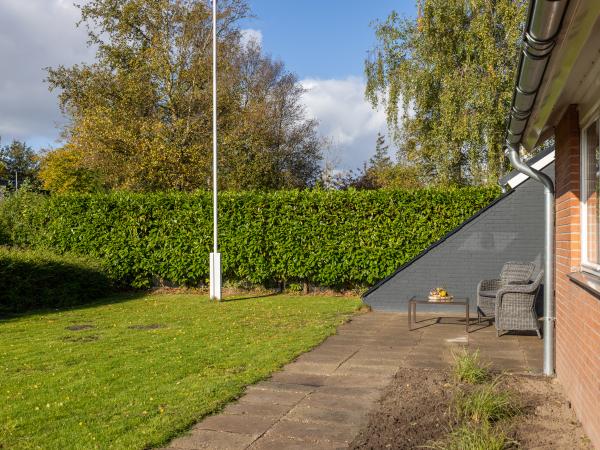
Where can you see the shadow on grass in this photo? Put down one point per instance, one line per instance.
(250, 297)
(111, 299)
(32, 281)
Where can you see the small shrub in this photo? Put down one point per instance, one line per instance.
(39, 279)
(468, 437)
(485, 404)
(468, 368)
(294, 287)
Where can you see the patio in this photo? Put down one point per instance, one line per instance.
(322, 399)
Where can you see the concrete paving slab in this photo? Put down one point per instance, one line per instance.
(339, 402)
(326, 357)
(207, 439)
(369, 361)
(355, 393)
(284, 387)
(306, 379)
(362, 380)
(314, 431)
(257, 409)
(277, 397)
(307, 413)
(313, 368)
(278, 443)
(241, 424)
(349, 369)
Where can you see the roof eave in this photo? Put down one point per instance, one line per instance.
(580, 18)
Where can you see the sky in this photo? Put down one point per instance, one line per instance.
(323, 41)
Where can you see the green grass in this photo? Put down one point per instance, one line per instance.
(467, 437)
(485, 404)
(112, 386)
(468, 367)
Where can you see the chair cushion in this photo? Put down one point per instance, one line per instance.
(491, 294)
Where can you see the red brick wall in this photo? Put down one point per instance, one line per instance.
(577, 311)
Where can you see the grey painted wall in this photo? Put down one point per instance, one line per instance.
(510, 230)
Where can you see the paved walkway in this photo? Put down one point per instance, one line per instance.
(321, 400)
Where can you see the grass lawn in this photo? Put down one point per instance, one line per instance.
(133, 372)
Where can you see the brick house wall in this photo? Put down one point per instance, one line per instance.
(577, 310)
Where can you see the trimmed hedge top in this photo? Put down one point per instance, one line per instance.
(329, 238)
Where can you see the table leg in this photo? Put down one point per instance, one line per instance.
(468, 318)
(414, 314)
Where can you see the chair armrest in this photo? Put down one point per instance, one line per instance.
(530, 288)
(518, 289)
(489, 285)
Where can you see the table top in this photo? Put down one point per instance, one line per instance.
(455, 301)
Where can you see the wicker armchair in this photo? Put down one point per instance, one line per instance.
(515, 307)
(513, 273)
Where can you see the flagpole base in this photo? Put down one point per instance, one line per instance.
(215, 276)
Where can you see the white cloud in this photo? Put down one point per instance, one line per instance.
(345, 117)
(251, 35)
(35, 34)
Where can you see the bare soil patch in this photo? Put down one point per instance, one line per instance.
(414, 411)
(86, 338)
(152, 326)
(549, 421)
(80, 327)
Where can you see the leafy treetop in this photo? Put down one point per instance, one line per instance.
(140, 115)
(446, 80)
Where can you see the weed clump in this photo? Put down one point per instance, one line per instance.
(469, 437)
(468, 367)
(485, 404)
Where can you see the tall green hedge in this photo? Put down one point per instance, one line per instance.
(328, 238)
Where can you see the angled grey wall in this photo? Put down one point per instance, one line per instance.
(512, 229)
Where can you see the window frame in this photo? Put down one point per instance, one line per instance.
(586, 264)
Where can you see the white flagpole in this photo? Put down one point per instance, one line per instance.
(215, 256)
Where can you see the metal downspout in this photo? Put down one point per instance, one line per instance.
(541, 31)
(549, 313)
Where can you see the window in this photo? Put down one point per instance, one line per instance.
(590, 198)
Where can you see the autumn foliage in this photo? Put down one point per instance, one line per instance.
(140, 115)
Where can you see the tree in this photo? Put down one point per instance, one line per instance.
(272, 144)
(446, 82)
(140, 115)
(62, 170)
(381, 159)
(20, 164)
(380, 172)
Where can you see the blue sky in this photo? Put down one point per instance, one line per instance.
(322, 38)
(324, 42)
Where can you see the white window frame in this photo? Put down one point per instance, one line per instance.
(586, 265)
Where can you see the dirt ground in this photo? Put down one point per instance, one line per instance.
(415, 411)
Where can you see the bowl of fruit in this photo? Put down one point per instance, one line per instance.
(440, 295)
